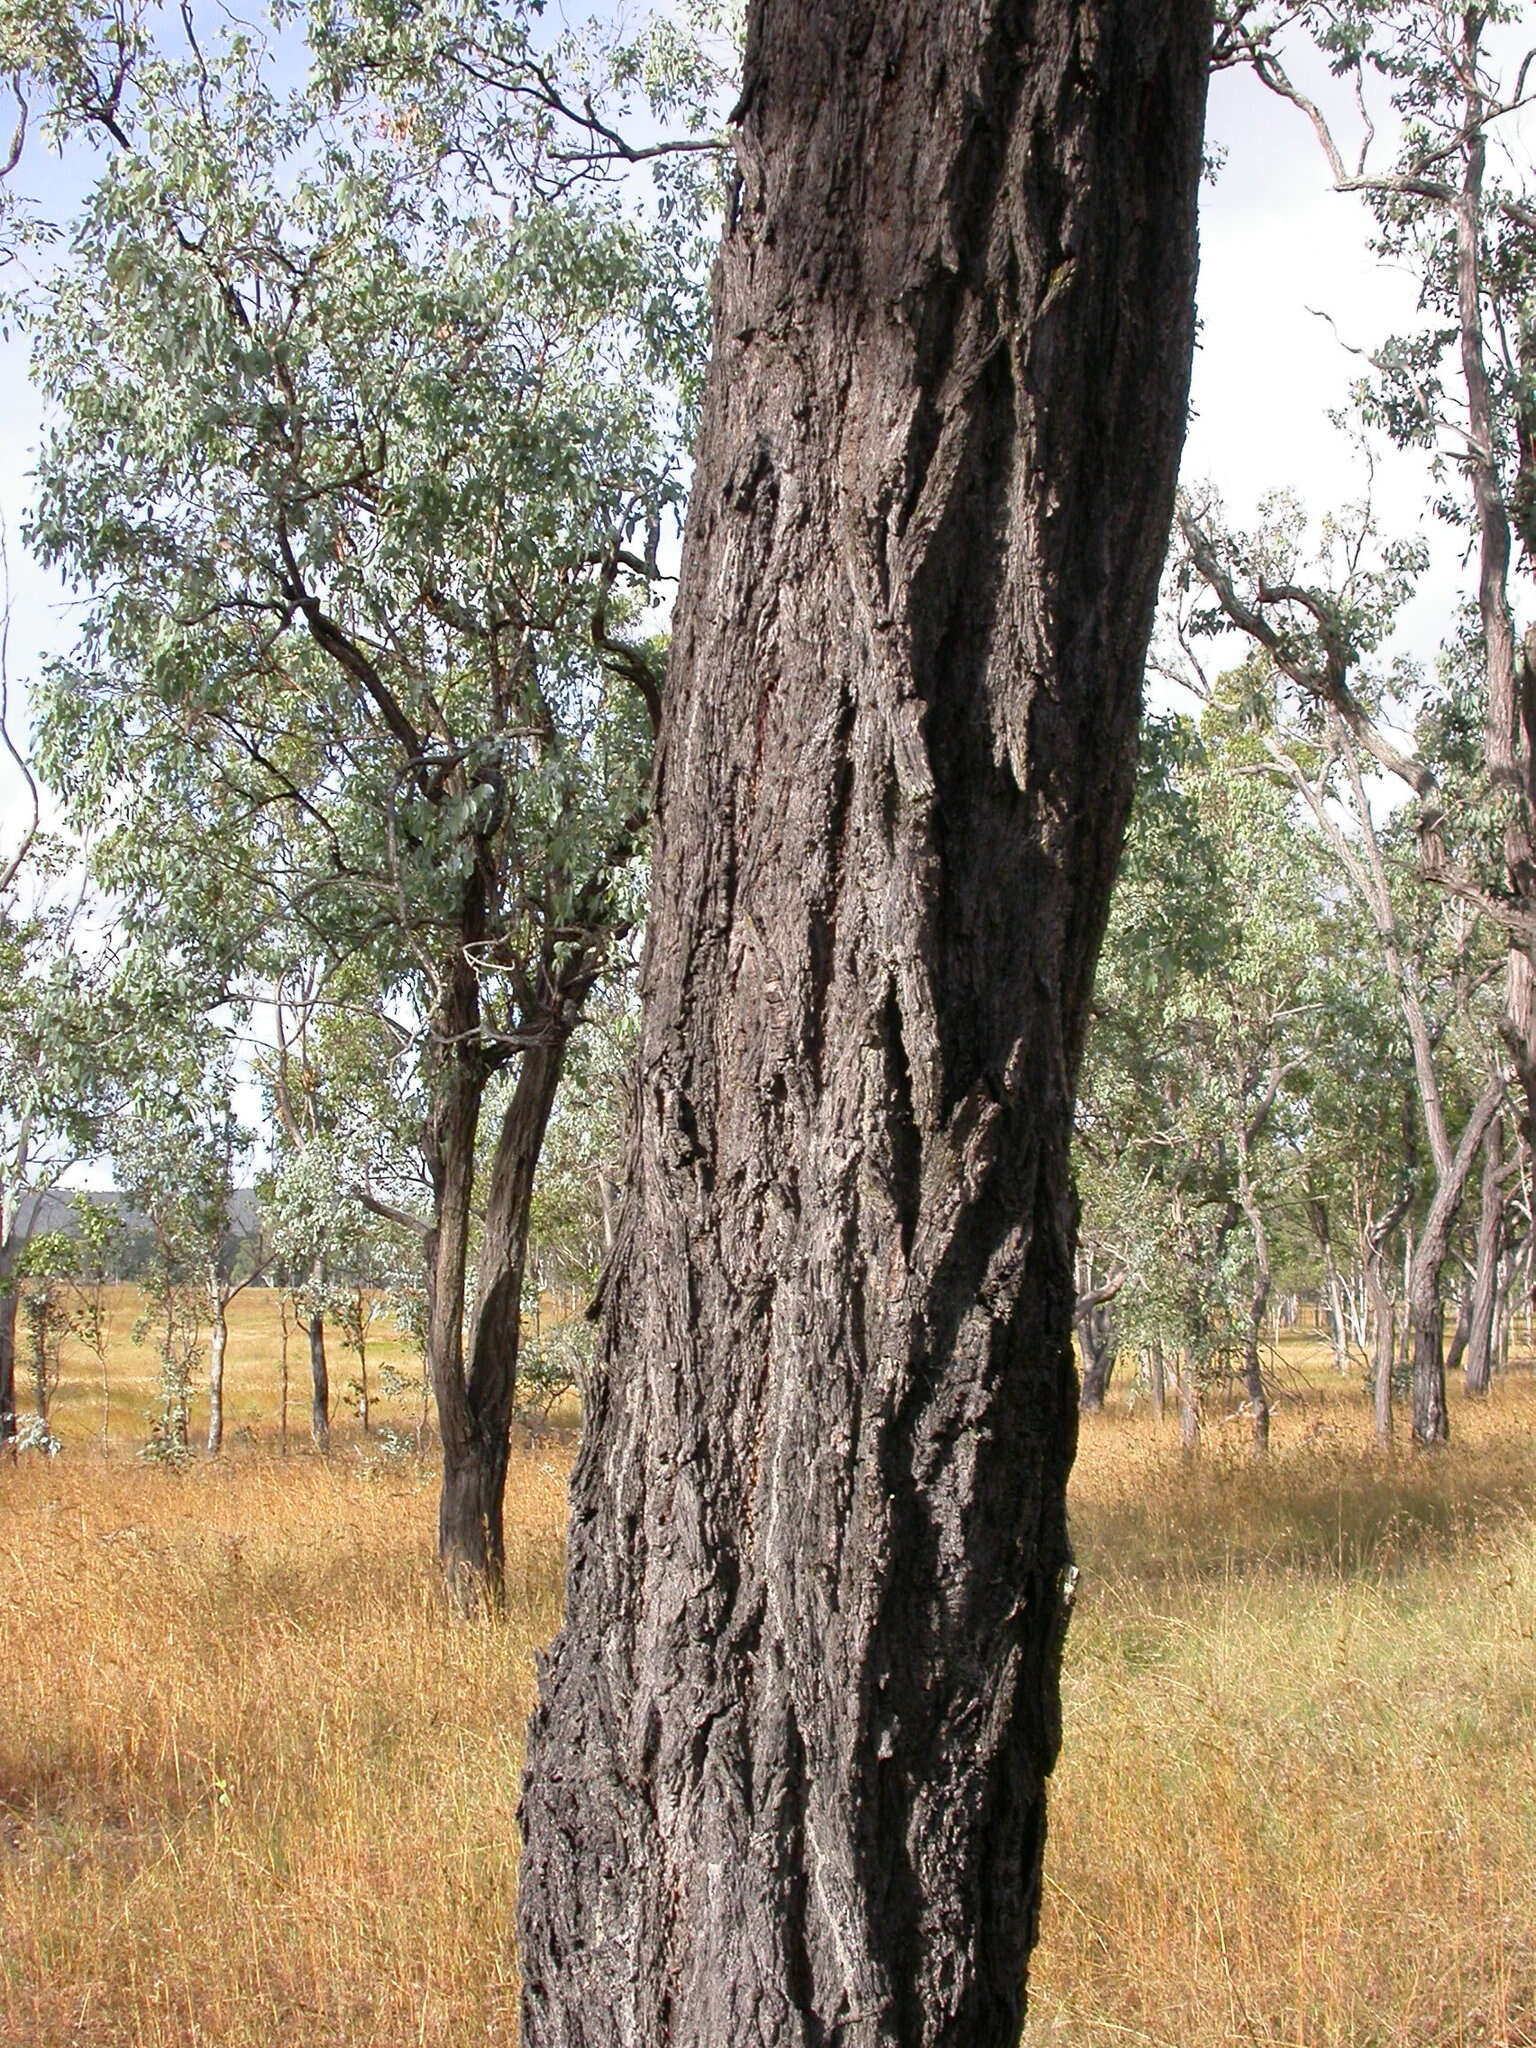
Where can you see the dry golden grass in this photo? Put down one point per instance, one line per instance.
(1297, 1801)
(257, 1790)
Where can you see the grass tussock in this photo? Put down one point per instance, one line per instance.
(258, 1789)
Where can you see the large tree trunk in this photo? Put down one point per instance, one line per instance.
(475, 1409)
(786, 1782)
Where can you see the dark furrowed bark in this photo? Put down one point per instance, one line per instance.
(786, 1782)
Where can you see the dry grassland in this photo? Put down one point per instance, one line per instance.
(257, 1790)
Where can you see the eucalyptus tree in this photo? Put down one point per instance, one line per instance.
(1209, 1009)
(343, 1090)
(180, 1157)
(57, 1034)
(1448, 201)
(1323, 741)
(367, 479)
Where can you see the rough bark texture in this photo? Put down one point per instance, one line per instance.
(786, 1780)
(475, 1408)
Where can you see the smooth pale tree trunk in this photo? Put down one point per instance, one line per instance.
(1187, 1389)
(1333, 1292)
(1093, 1319)
(282, 1371)
(1461, 1329)
(1338, 1335)
(1253, 1361)
(319, 1384)
(786, 1782)
(1426, 1311)
(1095, 1333)
(1483, 1314)
(218, 1346)
(1383, 1350)
(474, 1409)
(1157, 1382)
(1381, 1316)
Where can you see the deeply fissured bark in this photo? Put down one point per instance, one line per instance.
(786, 1781)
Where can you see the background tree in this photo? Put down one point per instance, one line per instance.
(1320, 738)
(378, 651)
(1209, 1009)
(1446, 201)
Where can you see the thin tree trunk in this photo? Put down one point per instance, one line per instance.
(1426, 1313)
(1187, 1389)
(1253, 1360)
(1095, 1332)
(319, 1383)
(475, 1410)
(364, 1412)
(1374, 1271)
(786, 1780)
(218, 1345)
(1490, 1252)
(282, 1370)
(1157, 1382)
(1461, 1329)
(7, 1346)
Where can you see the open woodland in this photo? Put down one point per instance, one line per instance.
(260, 1785)
(767, 1112)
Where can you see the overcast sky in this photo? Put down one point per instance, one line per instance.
(1275, 242)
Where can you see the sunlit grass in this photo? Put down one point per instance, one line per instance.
(258, 1790)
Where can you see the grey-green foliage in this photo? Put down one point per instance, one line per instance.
(1210, 1008)
(367, 431)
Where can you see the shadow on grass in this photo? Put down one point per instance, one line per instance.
(1317, 1509)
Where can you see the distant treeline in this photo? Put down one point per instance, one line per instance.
(129, 1248)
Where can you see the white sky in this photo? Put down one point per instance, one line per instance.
(1275, 242)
